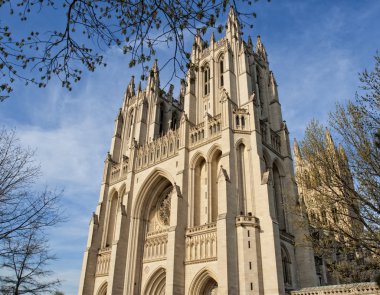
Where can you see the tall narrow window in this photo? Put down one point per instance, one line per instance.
(111, 219)
(174, 121)
(278, 199)
(221, 70)
(241, 164)
(237, 121)
(130, 123)
(206, 80)
(286, 265)
(161, 119)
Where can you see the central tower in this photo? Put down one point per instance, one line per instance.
(196, 191)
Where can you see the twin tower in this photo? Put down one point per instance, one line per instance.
(197, 191)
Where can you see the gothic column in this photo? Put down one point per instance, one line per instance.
(119, 247)
(175, 254)
(226, 236)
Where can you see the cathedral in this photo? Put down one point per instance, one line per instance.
(196, 189)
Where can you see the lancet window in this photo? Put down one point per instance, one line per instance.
(278, 198)
(206, 80)
(286, 267)
(111, 219)
(130, 123)
(221, 72)
(161, 119)
(241, 150)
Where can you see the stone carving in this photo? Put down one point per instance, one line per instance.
(164, 210)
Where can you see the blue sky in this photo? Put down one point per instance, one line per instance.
(315, 48)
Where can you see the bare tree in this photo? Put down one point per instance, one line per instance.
(87, 28)
(22, 209)
(341, 185)
(25, 216)
(24, 266)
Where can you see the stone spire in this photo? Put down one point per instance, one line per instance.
(273, 86)
(296, 151)
(154, 77)
(129, 92)
(139, 87)
(233, 26)
(342, 153)
(131, 88)
(329, 140)
(260, 49)
(250, 43)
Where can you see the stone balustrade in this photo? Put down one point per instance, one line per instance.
(199, 134)
(201, 243)
(155, 246)
(118, 171)
(103, 262)
(247, 220)
(349, 289)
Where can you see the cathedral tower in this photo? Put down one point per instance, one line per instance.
(195, 189)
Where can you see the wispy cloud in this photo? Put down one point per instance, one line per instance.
(315, 49)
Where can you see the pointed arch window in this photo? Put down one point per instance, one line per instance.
(174, 121)
(286, 267)
(242, 122)
(161, 119)
(111, 219)
(130, 123)
(221, 71)
(278, 198)
(206, 80)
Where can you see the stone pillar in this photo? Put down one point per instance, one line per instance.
(226, 237)
(248, 244)
(175, 254)
(86, 283)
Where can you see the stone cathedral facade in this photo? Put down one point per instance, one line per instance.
(195, 190)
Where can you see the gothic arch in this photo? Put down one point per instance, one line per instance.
(194, 160)
(243, 141)
(214, 157)
(156, 283)
(199, 185)
(148, 197)
(204, 283)
(276, 162)
(154, 182)
(220, 55)
(102, 289)
(286, 266)
(267, 159)
(211, 152)
(278, 195)
(122, 191)
(112, 205)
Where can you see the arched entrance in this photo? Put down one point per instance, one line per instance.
(156, 283)
(103, 289)
(204, 284)
(151, 220)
